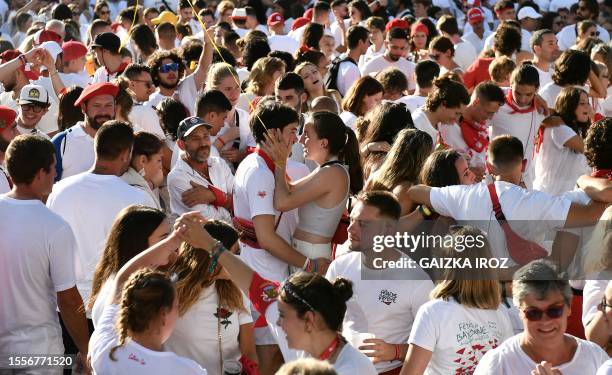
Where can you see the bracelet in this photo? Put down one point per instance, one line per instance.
(54, 73)
(23, 60)
(218, 249)
(222, 141)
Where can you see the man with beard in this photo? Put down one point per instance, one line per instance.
(587, 10)
(198, 181)
(167, 69)
(396, 49)
(394, 293)
(91, 200)
(8, 131)
(545, 52)
(74, 146)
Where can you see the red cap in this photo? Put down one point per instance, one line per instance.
(308, 14)
(399, 23)
(96, 89)
(73, 50)
(9, 55)
(7, 117)
(299, 22)
(47, 36)
(419, 27)
(275, 19)
(475, 15)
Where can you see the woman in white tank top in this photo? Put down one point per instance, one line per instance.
(322, 195)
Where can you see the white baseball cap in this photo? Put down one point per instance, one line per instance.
(528, 12)
(33, 94)
(53, 48)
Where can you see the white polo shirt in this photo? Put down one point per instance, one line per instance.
(253, 196)
(380, 63)
(89, 203)
(77, 151)
(179, 180)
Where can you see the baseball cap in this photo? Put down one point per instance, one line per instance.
(475, 15)
(275, 19)
(42, 36)
(299, 22)
(53, 48)
(528, 12)
(308, 14)
(97, 89)
(239, 14)
(165, 16)
(399, 23)
(188, 125)
(7, 117)
(33, 94)
(73, 50)
(107, 41)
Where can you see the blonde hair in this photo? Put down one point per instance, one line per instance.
(477, 288)
(262, 72)
(306, 366)
(217, 73)
(501, 68)
(144, 295)
(225, 5)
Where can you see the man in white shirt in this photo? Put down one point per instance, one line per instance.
(73, 60)
(377, 28)
(91, 200)
(8, 131)
(74, 147)
(140, 87)
(278, 40)
(478, 35)
(358, 40)
(587, 10)
(33, 105)
(213, 107)
(425, 72)
(186, 17)
(522, 208)
(37, 250)
(198, 181)
(106, 48)
(385, 300)
(545, 51)
(504, 9)
(396, 47)
(529, 18)
(465, 52)
(320, 14)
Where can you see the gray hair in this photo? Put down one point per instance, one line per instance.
(539, 278)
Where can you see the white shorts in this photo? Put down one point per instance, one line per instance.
(311, 250)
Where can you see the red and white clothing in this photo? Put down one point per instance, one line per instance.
(558, 167)
(468, 138)
(457, 335)
(522, 123)
(477, 72)
(263, 295)
(179, 181)
(254, 196)
(385, 309)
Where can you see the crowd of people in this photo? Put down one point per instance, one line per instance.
(251, 187)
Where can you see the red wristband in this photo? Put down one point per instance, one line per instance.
(220, 196)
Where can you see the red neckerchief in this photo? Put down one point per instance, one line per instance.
(120, 69)
(269, 162)
(602, 173)
(475, 135)
(330, 349)
(515, 109)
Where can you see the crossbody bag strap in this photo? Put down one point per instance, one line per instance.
(499, 214)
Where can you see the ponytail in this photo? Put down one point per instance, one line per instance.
(351, 157)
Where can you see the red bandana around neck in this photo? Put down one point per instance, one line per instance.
(515, 108)
(602, 173)
(330, 349)
(475, 135)
(120, 69)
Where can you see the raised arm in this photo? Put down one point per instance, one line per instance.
(205, 59)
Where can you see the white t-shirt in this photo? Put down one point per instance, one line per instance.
(606, 368)
(472, 204)
(523, 126)
(81, 79)
(592, 294)
(370, 54)
(421, 122)
(102, 300)
(557, 167)
(186, 92)
(77, 150)
(545, 77)
(380, 63)
(101, 75)
(349, 119)
(465, 54)
(36, 261)
(156, 98)
(567, 36)
(195, 335)
(145, 118)
(412, 102)
(509, 358)
(89, 203)
(550, 92)
(283, 43)
(475, 40)
(179, 180)
(253, 196)
(348, 73)
(5, 187)
(395, 303)
(132, 358)
(457, 335)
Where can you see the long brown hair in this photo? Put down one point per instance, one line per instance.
(128, 237)
(364, 86)
(565, 106)
(192, 265)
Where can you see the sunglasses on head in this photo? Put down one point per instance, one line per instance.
(165, 68)
(553, 312)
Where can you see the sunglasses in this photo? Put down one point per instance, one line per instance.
(32, 107)
(534, 314)
(595, 33)
(165, 68)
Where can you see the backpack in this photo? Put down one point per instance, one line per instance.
(331, 78)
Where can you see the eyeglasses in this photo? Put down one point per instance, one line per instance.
(32, 107)
(148, 84)
(595, 33)
(534, 314)
(165, 68)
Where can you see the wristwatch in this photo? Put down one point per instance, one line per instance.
(427, 212)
